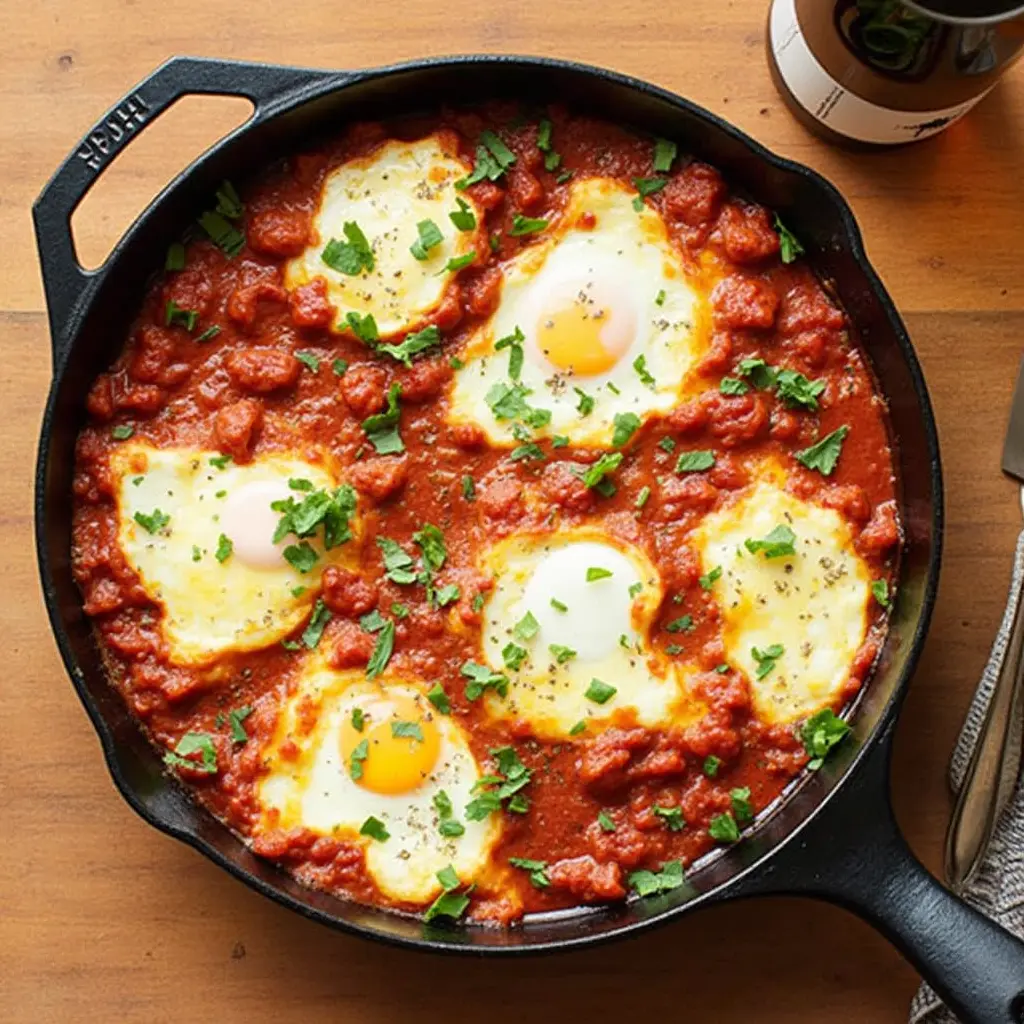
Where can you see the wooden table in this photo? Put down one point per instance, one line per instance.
(102, 918)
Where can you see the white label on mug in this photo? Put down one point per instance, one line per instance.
(832, 105)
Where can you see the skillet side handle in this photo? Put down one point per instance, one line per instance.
(64, 279)
(854, 855)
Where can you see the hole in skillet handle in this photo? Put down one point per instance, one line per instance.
(130, 179)
(65, 281)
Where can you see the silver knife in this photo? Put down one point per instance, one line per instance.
(992, 773)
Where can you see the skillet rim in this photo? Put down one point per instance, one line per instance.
(322, 83)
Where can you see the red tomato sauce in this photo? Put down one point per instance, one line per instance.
(243, 393)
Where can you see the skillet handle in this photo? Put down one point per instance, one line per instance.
(65, 281)
(853, 854)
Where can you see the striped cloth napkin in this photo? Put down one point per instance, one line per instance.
(997, 889)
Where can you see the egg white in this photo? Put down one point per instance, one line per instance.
(387, 194)
(813, 603)
(627, 252)
(315, 790)
(212, 607)
(607, 626)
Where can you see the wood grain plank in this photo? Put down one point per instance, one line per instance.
(102, 917)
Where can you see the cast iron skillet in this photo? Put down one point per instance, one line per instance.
(834, 837)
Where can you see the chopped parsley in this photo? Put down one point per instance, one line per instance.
(398, 563)
(597, 573)
(228, 202)
(789, 245)
(332, 511)
(373, 621)
(493, 158)
(626, 425)
(672, 816)
(880, 592)
(820, 733)
(175, 257)
(448, 594)
(684, 624)
(224, 549)
(561, 654)
(723, 828)
(531, 452)
(122, 432)
(211, 332)
(824, 454)
(664, 154)
(585, 406)
(760, 374)
(651, 883)
(526, 225)
(667, 444)
(595, 476)
(351, 256)
(222, 232)
(358, 719)
(605, 821)
(194, 743)
(643, 497)
(447, 825)
(640, 365)
(558, 605)
(526, 628)
(659, 299)
(235, 719)
(503, 789)
(695, 462)
(513, 656)
(778, 544)
(429, 237)
(309, 360)
(578, 728)
(482, 678)
(741, 805)
(707, 581)
(374, 828)
(796, 390)
(600, 692)
(430, 540)
(468, 488)
(174, 314)
(766, 658)
(407, 730)
(359, 754)
(315, 627)
(463, 218)
(732, 386)
(382, 650)
(458, 262)
(219, 461)
(450, 903)
(412, 345)
(363, 326)
(301, 557)
(154, 522)
(537, 868)
(647, 187)
(439, 699)
(711, 765)
(382, 428)
(514, 343)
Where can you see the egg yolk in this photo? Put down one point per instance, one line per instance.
(589, 334)
(402, 745)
